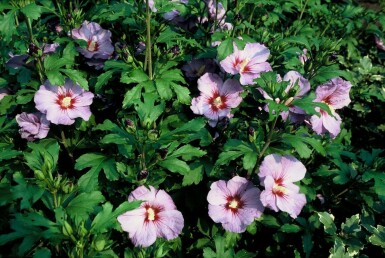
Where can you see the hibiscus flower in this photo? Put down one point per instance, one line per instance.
(62, 104)
(157, 216)
(234, 203)
(32, 126)
(277, 174)
(217, 98)
(98, 40)
(249, 63)
(335, 94)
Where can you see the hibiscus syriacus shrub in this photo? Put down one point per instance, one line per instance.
(163, 128)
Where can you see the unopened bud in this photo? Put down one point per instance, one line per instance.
(32, 49)
(163, 152)
(67, 229)
(143, 174)
(39, 175)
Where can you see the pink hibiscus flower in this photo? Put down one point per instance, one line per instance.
(156, 217)
(335, 94)
(277, 173)
(235, 204)
(295, 114)
(217, 98)
(62, 104)
(32, 126)
(98, 40)
(249, 63)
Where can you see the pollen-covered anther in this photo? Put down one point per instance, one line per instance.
(233, 204)
(150, 214)
(66, 102)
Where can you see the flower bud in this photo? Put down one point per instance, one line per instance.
(32, 49)
(39, 175)
(67, 229)
(163, 152)
(143, 174)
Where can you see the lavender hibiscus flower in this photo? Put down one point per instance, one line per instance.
(98, 40)
(33, 126)
(234, 203)
(62, 104)
(277, 173)
(249, 63)
(335, 94)
(157, 216)
(217, 98)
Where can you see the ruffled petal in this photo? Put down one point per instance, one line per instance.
(169, 224)
(218, 193)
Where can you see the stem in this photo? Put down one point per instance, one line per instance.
(64, 141)
(267, 144)
(148, 40)
(55, 202)
(268, 137)
(32, 39)
(303, 10)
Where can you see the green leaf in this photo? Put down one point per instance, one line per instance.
(298, 144)
(378, 237)
(328, 221)
(76, 77)
(9, 154)
(249, 160)
(136, 76)
(164, 89)
(42, 253)
(225, 49)
(194, 176)
(8, 25)
(84, 204)
(32, 11)
(116, 65)
(148, 112)
(103, 80)
(132, 95)
(29, 193)
(182, 94)
(290, 228)
(96, 162)
(187, 152)
(55, 77)
(352, 225)
(175, 165)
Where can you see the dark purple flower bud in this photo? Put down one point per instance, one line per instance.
(143, 174)
(32, 49)
(251, 131)
(175, 50)
(163, 153)
(130, 123)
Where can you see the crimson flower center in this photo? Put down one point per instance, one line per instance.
(234, 203)
(151, 213)
(65, 101)
(278, 188)
(92, 45)
(243, 65)
(218, 102)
